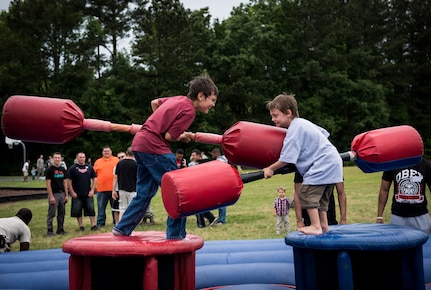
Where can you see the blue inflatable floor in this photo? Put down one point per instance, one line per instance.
(238, 264)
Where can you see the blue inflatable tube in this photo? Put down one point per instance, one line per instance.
(239, 264)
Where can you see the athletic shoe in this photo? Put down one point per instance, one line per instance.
(50, 234)
(117, 233)
(62, 232)
(213, 222)
(81, 229)
(94, 228)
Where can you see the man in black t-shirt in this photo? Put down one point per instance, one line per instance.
(81, 179)
(125, 175)
(409, 202)
(56, 186)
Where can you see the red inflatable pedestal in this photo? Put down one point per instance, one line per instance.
(145, 260)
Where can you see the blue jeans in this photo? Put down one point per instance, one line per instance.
(102, 201)
(151, 168)
(222, 215)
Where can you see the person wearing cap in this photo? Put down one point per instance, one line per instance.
(14, 229)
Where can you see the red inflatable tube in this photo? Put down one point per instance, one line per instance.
(182, 192)
(248, 144)
(25, 118)
(388, 148)
(258, 146)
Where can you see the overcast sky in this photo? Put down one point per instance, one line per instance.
(218, 8)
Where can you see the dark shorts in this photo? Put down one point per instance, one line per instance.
(82, 203)
(315, 196)
(116, 204)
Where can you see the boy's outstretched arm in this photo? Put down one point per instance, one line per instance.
(269, 171)
(185, 137)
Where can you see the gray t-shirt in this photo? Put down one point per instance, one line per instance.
(307, 146)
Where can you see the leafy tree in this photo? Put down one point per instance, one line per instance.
(112, 23)
(170, 44)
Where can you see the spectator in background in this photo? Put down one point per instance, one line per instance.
(40, 166)
(181, 161)
(33, 173)
(56, 186)
(63, 163)
(200, 218)
(116, 201)
(104, 168)
(409, 202)
(25, 169)
(216, 155)
(82, 180)
(14, 229)
(281, 210)
(48, 162)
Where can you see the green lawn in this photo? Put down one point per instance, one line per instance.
(250, 218)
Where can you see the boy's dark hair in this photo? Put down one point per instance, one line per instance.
(202, 84)
(196, 151)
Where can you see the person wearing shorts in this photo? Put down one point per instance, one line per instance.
(307, 146)
(125, 175)
(82, 178)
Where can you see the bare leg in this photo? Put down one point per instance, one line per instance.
(79, 219)
(314, 228)
(92, 221)
(116, 216)
(323, 215)
(298, 209)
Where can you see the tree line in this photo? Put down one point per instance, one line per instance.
(354, 66)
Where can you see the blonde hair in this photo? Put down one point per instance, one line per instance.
(284, 102)
(281, 188)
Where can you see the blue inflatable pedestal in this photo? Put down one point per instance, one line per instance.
(359, 256)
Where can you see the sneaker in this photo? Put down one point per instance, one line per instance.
(50, 234)
(117, 233)
(62, 232)
(94, 228)
(220, 223)
(213, 222)
(81, 229)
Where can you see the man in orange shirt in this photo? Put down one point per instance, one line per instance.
(104, 168)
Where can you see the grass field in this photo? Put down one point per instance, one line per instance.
(250, 218)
